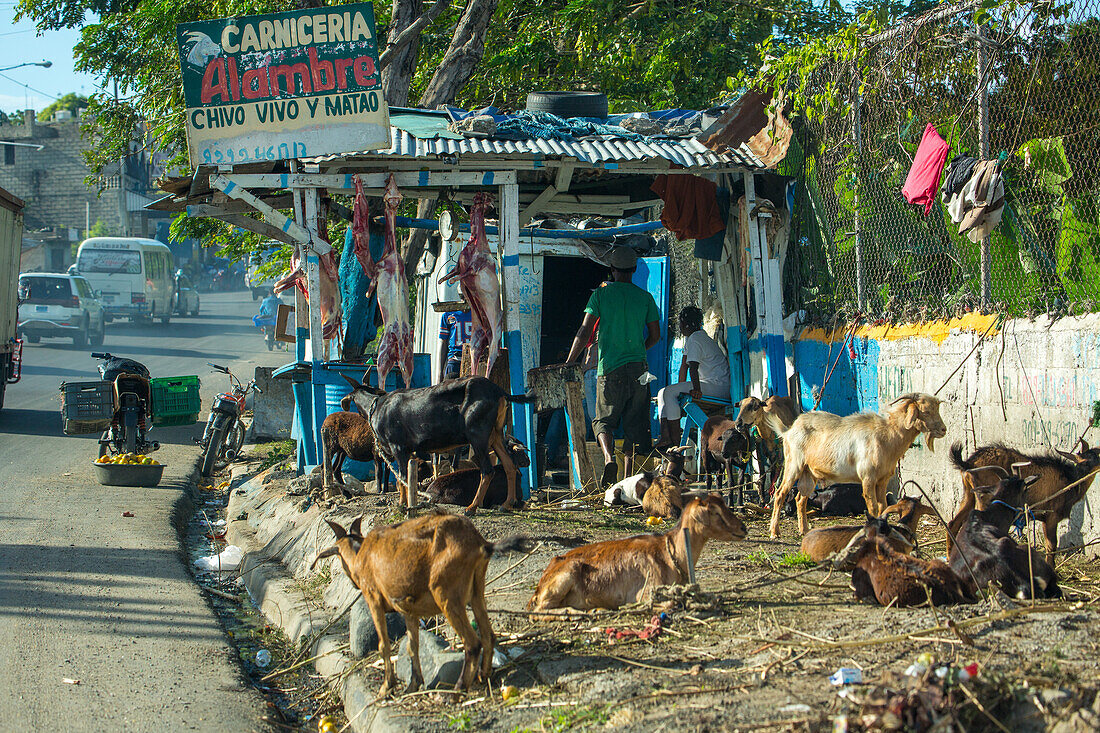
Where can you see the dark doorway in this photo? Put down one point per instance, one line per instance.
(567, 284)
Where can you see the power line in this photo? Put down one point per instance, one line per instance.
(28, 86)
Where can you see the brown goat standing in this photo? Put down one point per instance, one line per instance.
(822, 448)
(893, 578)
(1055, 473)
(616, 572)
(771, 417)
(420, 568)
(347, 435)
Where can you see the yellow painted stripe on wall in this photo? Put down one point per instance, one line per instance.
(937, 331)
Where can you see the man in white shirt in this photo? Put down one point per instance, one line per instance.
(704, 372)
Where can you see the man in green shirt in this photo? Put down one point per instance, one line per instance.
(628, 327)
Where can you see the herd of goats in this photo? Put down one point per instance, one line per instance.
(436, 563)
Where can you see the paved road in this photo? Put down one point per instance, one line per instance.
(89, 595)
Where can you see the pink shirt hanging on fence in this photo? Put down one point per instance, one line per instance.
(924, 177)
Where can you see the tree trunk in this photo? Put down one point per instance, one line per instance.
(398, 72)
(462, 57)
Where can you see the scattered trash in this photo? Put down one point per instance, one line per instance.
(222, 486)
(67, 473)
(70, 681)
(649, 631)
(795, 709)
(263, 658)
(503, 656)
(127, 514)
(571, 504)
(509, 692)
(227, 559)
(924, 661)
(847, 676)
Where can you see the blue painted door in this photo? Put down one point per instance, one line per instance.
(652, 275)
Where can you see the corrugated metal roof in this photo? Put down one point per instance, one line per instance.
(687, 152)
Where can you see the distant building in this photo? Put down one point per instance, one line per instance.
(41, 163)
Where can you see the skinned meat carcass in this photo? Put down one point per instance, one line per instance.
(331, 310)
(476, 272)
(360, 230)
(395, 347)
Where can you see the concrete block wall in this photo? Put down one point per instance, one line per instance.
(51, 180)
(1030, 384)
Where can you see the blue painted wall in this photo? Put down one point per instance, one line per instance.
(853, 386)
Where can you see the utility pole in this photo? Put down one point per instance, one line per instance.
(983, 147)
(857, 142)
(123, 209)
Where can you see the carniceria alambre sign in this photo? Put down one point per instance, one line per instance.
(286, 85)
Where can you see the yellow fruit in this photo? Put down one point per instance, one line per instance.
(653, 521)
(509, 692)
(103, 459)
(327, 724)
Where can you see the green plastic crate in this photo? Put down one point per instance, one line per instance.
(176, 400)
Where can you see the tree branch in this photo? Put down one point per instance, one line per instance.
(411, 32)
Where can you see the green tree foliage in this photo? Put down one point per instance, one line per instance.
(72, 102)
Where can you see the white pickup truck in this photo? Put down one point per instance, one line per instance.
(11, 240)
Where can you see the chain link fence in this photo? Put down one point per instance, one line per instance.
(1024, 92)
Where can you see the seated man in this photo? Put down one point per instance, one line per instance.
(709, 372)
(269, 310)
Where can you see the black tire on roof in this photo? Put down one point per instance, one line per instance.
(569, 104)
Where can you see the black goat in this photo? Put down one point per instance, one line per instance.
(460, 487)
(724, 448)
(984, 548)
(413, 423)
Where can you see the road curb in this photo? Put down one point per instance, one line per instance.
(271, 586)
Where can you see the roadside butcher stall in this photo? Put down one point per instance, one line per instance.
(527, 268)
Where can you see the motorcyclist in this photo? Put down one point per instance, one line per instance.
(269, 310)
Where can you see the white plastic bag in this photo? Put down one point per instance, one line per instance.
(228, 559)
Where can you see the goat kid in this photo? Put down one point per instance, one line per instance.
(894, 578)
(724, 448)
(631, 490)
(423, 567)
(1055, 473)
(347, 435)
(616, 572)
(412, 423)
(460, 486)
(822, 448)
(985, 552)
(823, 542)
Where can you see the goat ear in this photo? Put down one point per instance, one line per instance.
(337, 530)
(354, 529)
(1084, 446)
(323, 554)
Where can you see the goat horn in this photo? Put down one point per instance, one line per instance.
(997, 469)
(1019, 466)
(354, 384)
(337, 530)
(1028, 481)
(323, 554)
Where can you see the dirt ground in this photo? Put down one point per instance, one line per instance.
(752, 648)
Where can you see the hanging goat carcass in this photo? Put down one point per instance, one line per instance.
(476, 272)
(388, 280)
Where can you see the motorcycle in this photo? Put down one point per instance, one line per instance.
(224, 434)
(133, 417)
(266, 324)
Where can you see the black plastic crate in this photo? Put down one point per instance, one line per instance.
(86, 407)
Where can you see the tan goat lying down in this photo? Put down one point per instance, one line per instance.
(420, 568)
(616, 572)
(822, 448)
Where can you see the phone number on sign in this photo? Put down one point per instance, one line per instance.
(282, 151)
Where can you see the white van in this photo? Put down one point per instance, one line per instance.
(134, 277)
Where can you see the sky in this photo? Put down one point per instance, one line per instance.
(34, 86)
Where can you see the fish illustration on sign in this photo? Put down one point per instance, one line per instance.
(204, 49)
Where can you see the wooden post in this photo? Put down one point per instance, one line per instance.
(580, 463)
(316, 340)
(508, 249)
(986, 261)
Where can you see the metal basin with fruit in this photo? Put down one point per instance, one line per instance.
(128, 470)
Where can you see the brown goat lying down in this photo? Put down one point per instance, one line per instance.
(616, 572)
(894, 578)
(822, 542)
(460, 486)
(1055, 472)
(423, 567)
(663, 498)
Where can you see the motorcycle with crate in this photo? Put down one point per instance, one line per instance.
(224, 434)
(132, 417)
